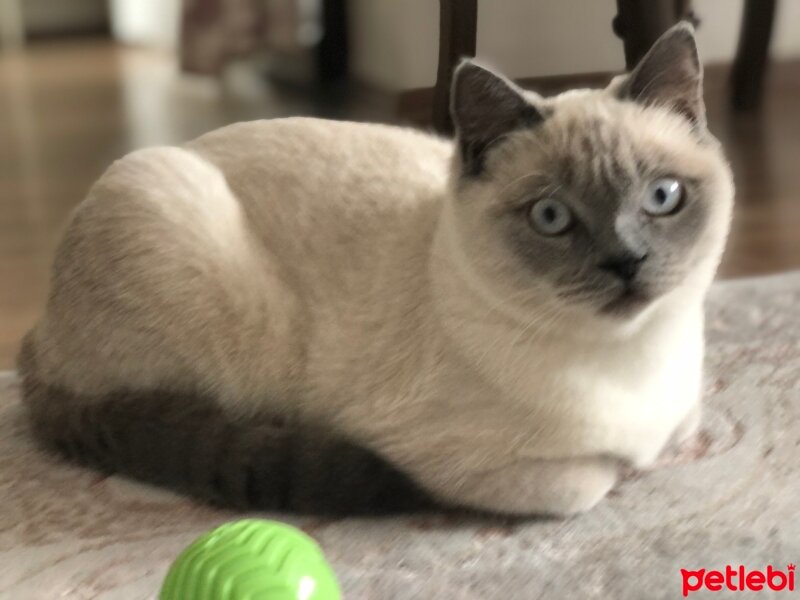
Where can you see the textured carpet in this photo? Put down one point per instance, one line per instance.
(729, 497)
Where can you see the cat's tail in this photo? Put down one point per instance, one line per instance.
(187, 442)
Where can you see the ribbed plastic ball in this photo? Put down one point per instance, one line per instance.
(251, 559)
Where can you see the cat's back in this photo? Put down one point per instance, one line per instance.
(250, 223)
(302, 155)
(321, 188)
(365, 143)
(320, 193)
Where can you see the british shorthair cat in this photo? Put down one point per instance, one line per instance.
(324, 316)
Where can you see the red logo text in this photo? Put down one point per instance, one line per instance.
(738, 579)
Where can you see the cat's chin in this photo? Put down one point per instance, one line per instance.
(627, 304)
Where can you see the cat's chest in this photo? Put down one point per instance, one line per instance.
(625, 402)
(627, 410)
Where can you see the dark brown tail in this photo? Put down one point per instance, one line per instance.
(185, 441)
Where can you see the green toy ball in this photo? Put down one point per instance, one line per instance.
(251, 559)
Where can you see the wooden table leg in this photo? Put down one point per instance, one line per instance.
(750, 64)
(640, 23)
(458, 32)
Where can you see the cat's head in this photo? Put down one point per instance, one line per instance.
(600, 200)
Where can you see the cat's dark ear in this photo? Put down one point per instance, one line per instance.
(670, 75)
(485, 107)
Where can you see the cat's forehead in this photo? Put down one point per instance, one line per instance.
(588, 145)
(588, 137)
(594, 120)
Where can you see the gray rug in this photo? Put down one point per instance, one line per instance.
(728, 498)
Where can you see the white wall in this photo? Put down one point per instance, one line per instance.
(395, 42)
(392, 42)
(146, 22)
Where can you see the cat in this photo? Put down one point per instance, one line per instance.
(321, 316)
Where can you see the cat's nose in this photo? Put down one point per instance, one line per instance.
(625, 266)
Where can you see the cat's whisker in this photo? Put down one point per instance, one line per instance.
(499, 340)
(503, 190)
(548, 322)
(540, 317)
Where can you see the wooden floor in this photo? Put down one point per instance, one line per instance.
(67, 109)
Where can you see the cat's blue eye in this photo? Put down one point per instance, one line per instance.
(663, 197)
(550, 217)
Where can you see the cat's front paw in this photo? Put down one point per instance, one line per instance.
(558, 488)
(574, 486)
(688, 442)
(687, 429)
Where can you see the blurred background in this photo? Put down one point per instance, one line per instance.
(83, 82)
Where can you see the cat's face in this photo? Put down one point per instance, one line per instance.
(601, 200)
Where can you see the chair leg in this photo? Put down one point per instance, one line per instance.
(458, 32)
(750, 63)
(640, 23)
